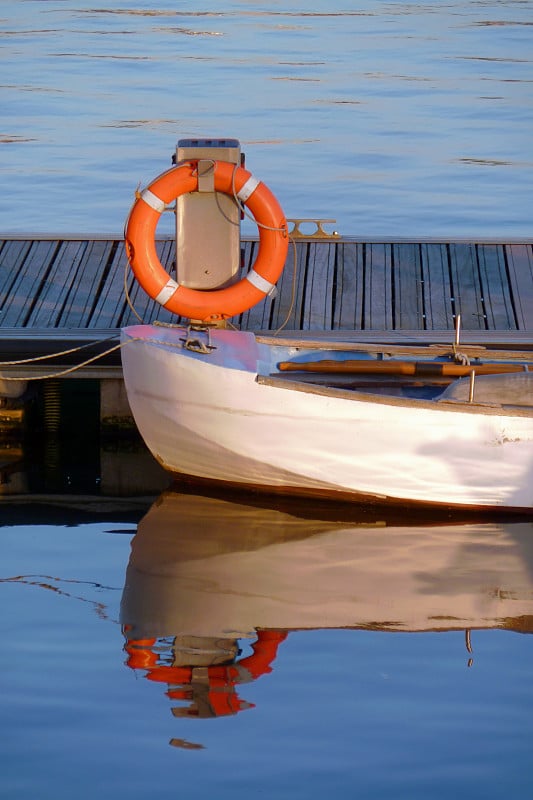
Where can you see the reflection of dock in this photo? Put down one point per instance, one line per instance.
(59, 293)
(51, 467)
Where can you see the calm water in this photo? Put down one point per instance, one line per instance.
(367, 659)
(396, 119)
(196, 645)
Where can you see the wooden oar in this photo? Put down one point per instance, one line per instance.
(391, 367)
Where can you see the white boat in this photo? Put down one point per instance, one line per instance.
(228, 406)
(224, 409)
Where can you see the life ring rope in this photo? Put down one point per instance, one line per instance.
(241, 197)
(251, 195)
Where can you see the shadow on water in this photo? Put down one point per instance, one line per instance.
(61, 451)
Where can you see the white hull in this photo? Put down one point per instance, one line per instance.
(208, 416)
(211, 567)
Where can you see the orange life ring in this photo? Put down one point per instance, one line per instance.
(219, 303)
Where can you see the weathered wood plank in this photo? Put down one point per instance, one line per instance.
(91, 276)
(348, 287)
(316, 301)
(58, 286)
(25, 288)
(377, 278)
(12, 257)
(437, 293)
(519, 258)
(497, 302)
(286, 307)
(110, 300)
(467, 293)
(111, 308)
(408, 287)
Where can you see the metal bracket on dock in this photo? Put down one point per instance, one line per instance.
(319, 233)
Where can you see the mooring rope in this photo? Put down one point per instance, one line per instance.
(293, 286)
(55, 355)
(129, 301)
(60, 373)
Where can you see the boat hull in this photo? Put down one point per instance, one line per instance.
(220, 417)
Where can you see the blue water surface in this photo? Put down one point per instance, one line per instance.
(378, 709)
(396, 119)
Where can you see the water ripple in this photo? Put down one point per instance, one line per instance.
(386, 116)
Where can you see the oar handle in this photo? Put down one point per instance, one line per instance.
(390, 367)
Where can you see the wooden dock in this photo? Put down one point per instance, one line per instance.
(62, 292)
(70, 285)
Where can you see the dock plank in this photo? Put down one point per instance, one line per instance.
(91, 276)
(58, 287)
(499, 312)
(437, 292)
(467, 296)
(110, 301)
(347, 286)
(12, 257)
(519, 259)
(286, 307)
(408, 287)
(317, 298)
(377, 278)
(24, 290)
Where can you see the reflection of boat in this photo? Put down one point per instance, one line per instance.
(211, 567)
(206, 571)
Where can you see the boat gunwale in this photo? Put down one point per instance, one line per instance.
(427, 339)
(431, 350)
(456, 406)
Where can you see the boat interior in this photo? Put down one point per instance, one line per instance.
(479, 375)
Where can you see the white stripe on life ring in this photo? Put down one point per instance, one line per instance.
(248, 188)
(153, 201)
(260, 283)
(167, 291)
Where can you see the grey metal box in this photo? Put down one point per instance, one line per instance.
(208, 249)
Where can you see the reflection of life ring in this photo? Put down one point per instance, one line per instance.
(217, 682)
(219, 303)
